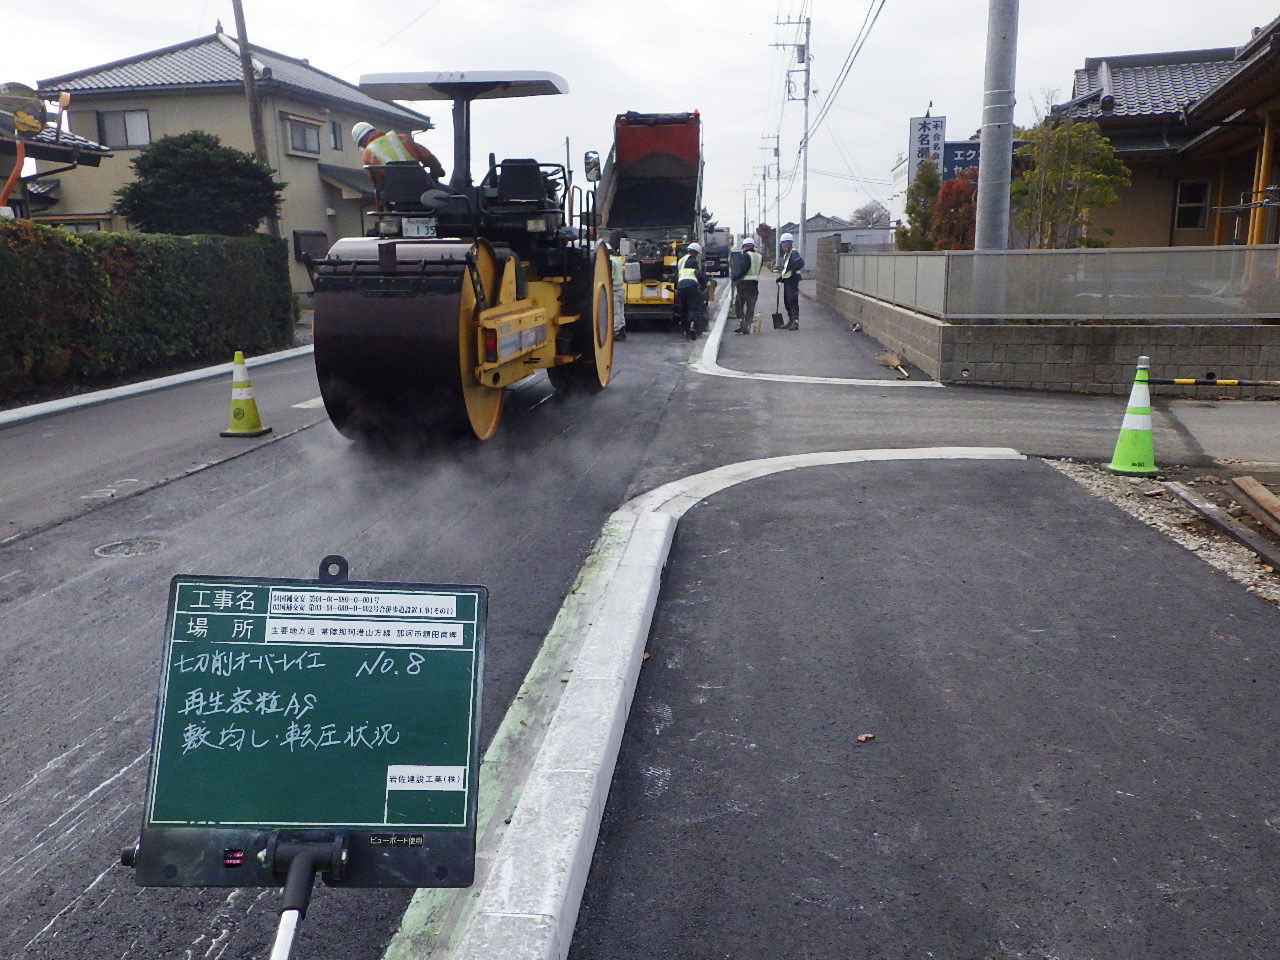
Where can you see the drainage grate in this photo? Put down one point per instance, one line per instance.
(136, 547)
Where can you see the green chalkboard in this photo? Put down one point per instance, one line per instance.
(312, 708)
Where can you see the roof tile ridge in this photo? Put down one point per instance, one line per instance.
(259, 68)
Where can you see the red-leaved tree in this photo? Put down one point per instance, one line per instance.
(955, 212)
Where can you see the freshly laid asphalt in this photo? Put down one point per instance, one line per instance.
(924, 708)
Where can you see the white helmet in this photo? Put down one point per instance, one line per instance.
(748, 242)
(361, 130)
(695, 247)
(785, 237)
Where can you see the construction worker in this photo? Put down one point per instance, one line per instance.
(387, 146)
(690, 284)
(789, 276)
(616, 261)
(746, 282)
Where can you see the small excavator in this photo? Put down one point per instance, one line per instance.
(463, 289)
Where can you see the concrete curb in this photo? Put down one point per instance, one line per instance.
(529, 905)
(49, 408)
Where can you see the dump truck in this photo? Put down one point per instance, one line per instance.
(715, 251)
(465, 288)
(651, 193)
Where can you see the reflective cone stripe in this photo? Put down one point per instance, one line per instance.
(245, 421)
(1135, 452)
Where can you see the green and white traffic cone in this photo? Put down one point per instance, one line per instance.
(1135, 454)
(245, 421)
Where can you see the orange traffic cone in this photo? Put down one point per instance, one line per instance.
(245, 421)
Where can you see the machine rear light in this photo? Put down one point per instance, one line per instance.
(536, 225)
(491, 346)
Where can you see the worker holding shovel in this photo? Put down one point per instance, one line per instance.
(789, 278)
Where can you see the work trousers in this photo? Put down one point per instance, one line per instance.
(689, 298)
(619, 307)
(748, 292)
(791, 298)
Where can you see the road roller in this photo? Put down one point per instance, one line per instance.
(461, 289)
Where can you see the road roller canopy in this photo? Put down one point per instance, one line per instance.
(462, 84)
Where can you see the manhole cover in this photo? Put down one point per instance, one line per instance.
(129, 548)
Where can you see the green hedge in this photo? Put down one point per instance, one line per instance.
(91, 308)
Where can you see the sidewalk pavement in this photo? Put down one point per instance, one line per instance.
(893, 700)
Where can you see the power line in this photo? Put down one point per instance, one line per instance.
(856, 48)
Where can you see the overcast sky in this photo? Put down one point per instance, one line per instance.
(716, 56)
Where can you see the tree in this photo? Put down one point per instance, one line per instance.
(921, 196)
(870, 214)
(1072, 171)
(955, 212)
(191, 183)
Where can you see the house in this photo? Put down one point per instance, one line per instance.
(307, 116)
(818, 226)
(1197, 129)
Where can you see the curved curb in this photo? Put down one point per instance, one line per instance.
(528, 906)
(49, 408)
(711, 349)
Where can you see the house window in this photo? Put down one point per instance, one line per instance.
(335, 134)
(304, 135)
(1193, 205)
(124, 128)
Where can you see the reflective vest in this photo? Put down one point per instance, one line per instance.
(754, 261)
(685, 272)
(389, 148)
(615, 262)
(786, 272)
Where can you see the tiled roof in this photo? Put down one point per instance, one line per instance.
(67, 148)
(49, 135)
(214, 60)
(1148, 85)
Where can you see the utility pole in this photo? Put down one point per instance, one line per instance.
(802, 57)
(994, 172)
(991, 231)
(251, 95)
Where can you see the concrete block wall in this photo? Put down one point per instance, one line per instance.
(1081, 358)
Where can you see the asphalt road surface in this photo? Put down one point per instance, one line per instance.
(82, 601)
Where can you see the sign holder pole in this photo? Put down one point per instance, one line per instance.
(300, 861)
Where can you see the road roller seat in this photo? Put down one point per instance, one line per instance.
(521, 181)
(403, 183)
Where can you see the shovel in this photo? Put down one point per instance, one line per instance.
(778, 322)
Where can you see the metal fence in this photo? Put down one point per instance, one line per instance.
(1220, 284)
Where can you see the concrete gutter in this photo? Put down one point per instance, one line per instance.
(37, 410)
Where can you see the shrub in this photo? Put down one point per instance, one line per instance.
(76, 310)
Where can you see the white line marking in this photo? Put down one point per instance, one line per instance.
(313, 404)
(711, 349)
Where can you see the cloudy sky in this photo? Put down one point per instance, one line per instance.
(716, 56)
